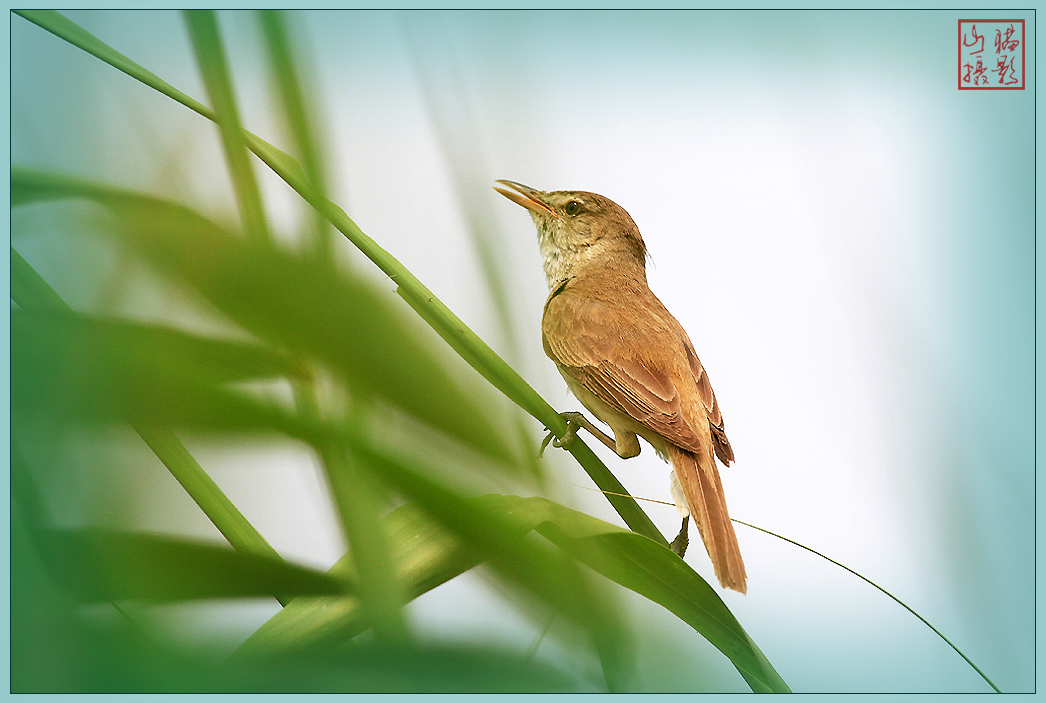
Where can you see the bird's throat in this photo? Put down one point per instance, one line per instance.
(560, 262)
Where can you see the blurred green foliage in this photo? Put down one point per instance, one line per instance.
(357, 362)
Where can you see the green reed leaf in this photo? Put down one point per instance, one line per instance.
(83, 368)
(293, 302)
(424, 555)
(104, 565)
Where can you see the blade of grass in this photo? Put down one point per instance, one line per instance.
(639, 564)
(210, 55)
(303, 132)
(424, 556)
(480, 356)
(381, 592)
(105, 565)
(203, 360)
(76, 367)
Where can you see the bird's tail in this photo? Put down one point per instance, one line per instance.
(699, 480)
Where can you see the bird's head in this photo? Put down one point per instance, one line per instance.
(576, 228)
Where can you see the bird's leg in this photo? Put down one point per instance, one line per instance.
(576, 420)
(680, 543)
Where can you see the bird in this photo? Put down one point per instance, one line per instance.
(629, 361)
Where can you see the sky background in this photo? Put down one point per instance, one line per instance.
(847, 238)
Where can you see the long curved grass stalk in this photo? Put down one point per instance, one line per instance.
(210, 56)
(458, 335)
(873, 583)
(304, 131)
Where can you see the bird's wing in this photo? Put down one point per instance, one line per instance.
(600, 348)
(715, 418)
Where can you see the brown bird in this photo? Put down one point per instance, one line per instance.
(628, 360)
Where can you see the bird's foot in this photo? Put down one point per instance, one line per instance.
(573, 423)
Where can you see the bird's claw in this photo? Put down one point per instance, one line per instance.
(572, 427)
(568, 436)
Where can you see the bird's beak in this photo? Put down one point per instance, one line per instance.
(530, 198)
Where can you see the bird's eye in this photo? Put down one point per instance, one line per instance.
(572, 208)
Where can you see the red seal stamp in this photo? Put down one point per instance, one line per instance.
(991, 54)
